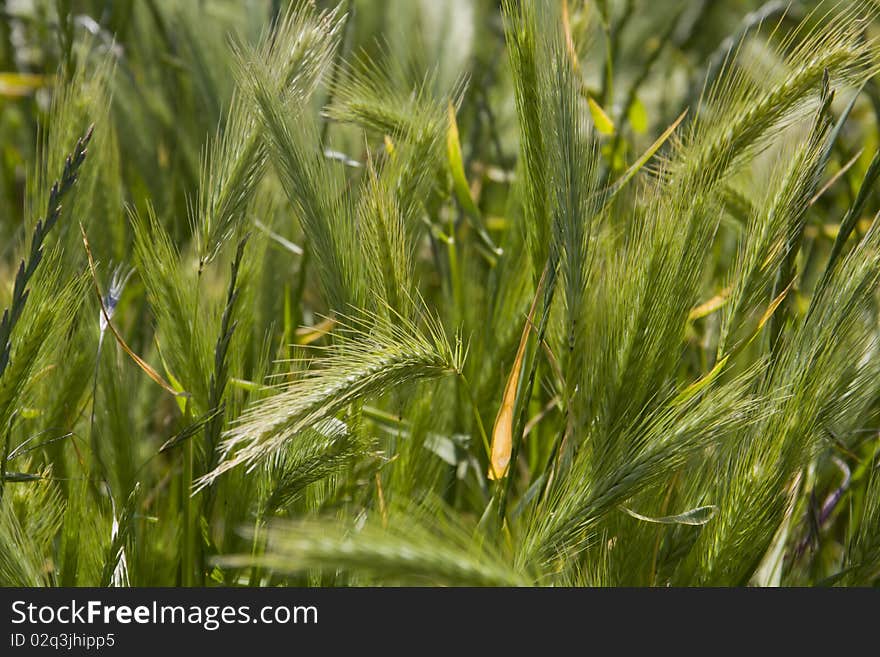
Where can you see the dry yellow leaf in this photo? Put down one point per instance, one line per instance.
(502, 432)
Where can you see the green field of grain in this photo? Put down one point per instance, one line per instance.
(439, 292)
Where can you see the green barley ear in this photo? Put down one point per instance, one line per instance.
(775, 229)
(524, 26)
(77, 103)
(370, 357)
(571, 516)
(46, 321)
(30, 517)
(388, 239)
(297, 52)
(316, 454)
(815, 383)
(378, 97)
(574, 205)
(416, 546)
(316, 188)
(28, 266)
(220, 375)
(740, 117)
(172, 293)
(862, 562)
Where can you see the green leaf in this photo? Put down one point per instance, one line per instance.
(699, 516)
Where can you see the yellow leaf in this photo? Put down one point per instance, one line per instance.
(772, 309)
(389, 146)
(460, 184)
(773, 252)
(701, 383)
(704, 381)
(16, 85)
(456, 167)
(638, 117)
(603, 122)
(309, 334)
(502, 432)
(707, 308)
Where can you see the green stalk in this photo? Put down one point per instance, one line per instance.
(454, 271)
(188, 558)
(476, 409)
